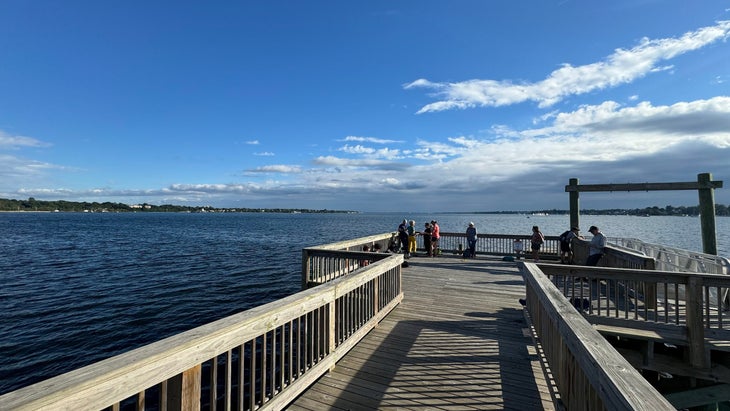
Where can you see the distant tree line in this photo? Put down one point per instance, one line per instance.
(32, 204)
(720, 210)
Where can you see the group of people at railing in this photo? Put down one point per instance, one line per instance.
(406, 238)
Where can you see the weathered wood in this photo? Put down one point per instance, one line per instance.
(707, 212)
(691, 185)
(455, 342)
(589, 371)
(101, 384)
(695, 325)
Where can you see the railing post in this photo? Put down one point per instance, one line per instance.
(331, 329)
(183, 390)
(305, 268)
(695, 325)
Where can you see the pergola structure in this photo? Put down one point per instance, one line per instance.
(704, 186)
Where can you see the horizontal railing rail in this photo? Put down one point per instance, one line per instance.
(686, 307)
(614, 256)
(589, 373)
(676, 259)
(255, 360)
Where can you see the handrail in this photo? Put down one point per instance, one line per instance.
(676, 259)
(590, 374)
(258, 359)
(688, 305)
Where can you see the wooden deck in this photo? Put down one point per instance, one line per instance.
(458, 341)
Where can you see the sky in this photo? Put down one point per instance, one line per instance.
(427, 106)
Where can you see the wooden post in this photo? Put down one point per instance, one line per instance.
(305, 269)
(707, 213)
(183, 390)
(574, 204)
(331, 328)
(695, 325)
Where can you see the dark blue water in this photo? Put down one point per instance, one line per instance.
(77, 288)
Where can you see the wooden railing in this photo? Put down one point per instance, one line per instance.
(614, 256)
(681, 308)
(330, 261)
(255, 360)
(589, 373)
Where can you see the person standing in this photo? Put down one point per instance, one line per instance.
(566, 244)
(536, 241)
(403, 237)
(596, 247)
(471, 240)
(435, 236)
(427, 232)
(411, 230)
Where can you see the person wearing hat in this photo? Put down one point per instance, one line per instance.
(566, 244)
(597, 246)
(471, 240)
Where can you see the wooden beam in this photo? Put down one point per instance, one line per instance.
(691, 185)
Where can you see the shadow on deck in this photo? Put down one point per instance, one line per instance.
(458, 341)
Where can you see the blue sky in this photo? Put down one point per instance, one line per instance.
(370, 106)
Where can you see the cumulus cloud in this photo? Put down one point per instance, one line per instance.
(264, 154)
(621, 67)
(253, 142)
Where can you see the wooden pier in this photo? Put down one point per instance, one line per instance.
(443, 333)
(457, 341)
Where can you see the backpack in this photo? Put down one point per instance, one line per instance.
(564, 239)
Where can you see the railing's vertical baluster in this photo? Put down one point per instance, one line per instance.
(163, 395)
(298, 373)
(616, 298)
(252, 375)
(264, 367)
(642, 284)
(340, 320)
(636, 299)
(240, 392)
(281, 358)
(666, 302)
(676, 303)
(140, 400)
(311, 330)
(706, 305)
(229, 384)
(720, 296)
(272, 372)
(213, 372)
(290, 353)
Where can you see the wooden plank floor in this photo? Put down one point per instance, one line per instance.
(458, 341)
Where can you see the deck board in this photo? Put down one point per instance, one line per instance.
(456, 342)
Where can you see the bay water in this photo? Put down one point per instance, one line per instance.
(76, 288)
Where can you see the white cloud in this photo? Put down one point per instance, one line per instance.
(621, 67)
(277, 168)
(370, 140)
(8, 141)
(253, 142)
(264, 154)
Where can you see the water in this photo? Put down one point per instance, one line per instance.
(78, 288)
